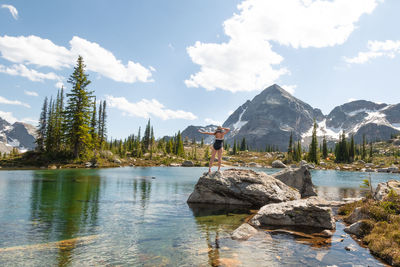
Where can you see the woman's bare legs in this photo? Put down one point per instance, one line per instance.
(219, 158)
(212, 159)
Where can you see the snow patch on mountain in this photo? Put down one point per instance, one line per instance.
(323, 130)
(239, 124)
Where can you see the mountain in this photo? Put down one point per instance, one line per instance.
(20, 135)
(192, 132)
(271, 116)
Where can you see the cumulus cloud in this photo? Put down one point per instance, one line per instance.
(59, 85)
(247, 61)
(209, 121)
(12, 9)
(289, 88)
(375, 49)
(147, 108)
(34, 50)
(8, 116)
(31, 93)
(31, 74)
(4, 100)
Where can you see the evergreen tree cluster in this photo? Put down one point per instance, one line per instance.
(137, 146)
(74, 129)
(346, 151)
(294, 149)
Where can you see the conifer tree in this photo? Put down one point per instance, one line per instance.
(202, 142)
(352, 149)
(49, 141)
(78, 111)
(364, 149)
(313, 151)
(146, 136)
(234, 151)
(324, 148)
(41, 132)
(243, 145)
(290, 147)
(370, 152)
(59, 128)
(93, 125)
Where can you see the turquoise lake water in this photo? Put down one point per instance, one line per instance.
(139, 217)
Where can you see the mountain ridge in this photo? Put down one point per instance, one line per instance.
(272, 115)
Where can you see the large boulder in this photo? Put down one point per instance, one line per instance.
(303, 212)
(383, 189)
(360, 228)
(299, 178)
(278, 164)
(241, 187)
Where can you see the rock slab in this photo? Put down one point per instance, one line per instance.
(303, 212)
(278, 164)
(299, 178)
(241, 187)
(244, 232)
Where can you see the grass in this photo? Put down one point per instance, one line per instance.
(381, 231)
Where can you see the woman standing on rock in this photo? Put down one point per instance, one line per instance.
(217, 146)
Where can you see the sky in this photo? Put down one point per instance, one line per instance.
(181, 63)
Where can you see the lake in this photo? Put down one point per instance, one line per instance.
(139, 217)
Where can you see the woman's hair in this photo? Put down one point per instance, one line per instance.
(218, 130)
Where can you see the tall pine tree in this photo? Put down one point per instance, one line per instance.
(78, 111)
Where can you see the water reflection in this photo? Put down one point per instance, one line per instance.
(338, 193)
(215, 221)
(64, 206)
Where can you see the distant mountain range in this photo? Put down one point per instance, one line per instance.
(270, 117)
(20, 135)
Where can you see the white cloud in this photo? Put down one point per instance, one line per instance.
(376, 49)
(351, 100)
(33, 50)
(8, 116)
(289, 88)
(12, 9)
(59, 85)
(230, 112)
(29, 120)
(247, 61)
(147, 108)
(13, 102)
(31, 93)
(209, 121)
(33, 75)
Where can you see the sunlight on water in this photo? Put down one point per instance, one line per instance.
(139, 217)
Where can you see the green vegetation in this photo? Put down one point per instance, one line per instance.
(381, 230)
(74, 131)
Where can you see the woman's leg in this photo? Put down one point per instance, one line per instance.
(212, 159)
(220, 158)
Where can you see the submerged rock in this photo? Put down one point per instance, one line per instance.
(244, 232)
(299, 178)
(241, 187)
(278, 164)
(303, 212)
(383, 189)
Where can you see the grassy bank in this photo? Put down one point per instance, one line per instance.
(380, 229)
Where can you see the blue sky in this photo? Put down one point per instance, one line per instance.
(193, 62)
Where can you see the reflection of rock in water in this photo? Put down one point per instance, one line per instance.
(338, 193)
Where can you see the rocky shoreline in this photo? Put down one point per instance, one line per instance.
(279, 206)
